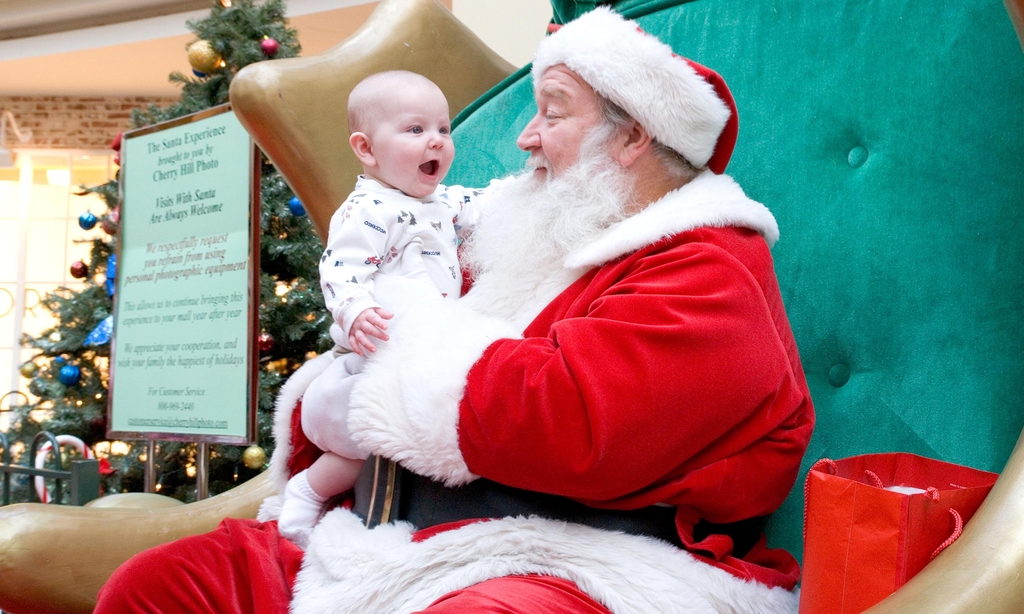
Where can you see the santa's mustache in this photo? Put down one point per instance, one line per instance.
(537, 161)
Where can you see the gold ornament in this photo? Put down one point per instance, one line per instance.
(28, 370)
(203, 57)
(279, 367)
(254, 457)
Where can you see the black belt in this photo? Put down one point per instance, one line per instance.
(385, 492)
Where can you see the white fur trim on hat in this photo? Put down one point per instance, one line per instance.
(636, 71)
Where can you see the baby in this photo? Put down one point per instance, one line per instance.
(399, 220)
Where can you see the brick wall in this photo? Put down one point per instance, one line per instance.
(70, 122)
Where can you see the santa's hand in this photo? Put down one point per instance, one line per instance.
(370, 323)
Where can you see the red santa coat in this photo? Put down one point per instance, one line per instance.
(662, 371)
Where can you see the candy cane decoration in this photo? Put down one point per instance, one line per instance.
(44, 450)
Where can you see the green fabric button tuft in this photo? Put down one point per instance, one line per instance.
(858, 156)
(839, 375)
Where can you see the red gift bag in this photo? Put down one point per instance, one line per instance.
(872, 522)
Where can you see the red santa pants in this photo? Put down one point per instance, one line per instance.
(246, 566)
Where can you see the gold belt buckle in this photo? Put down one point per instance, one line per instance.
(385, 475)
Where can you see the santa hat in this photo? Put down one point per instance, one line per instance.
(680, 103)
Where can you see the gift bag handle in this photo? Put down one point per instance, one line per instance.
(958, 528)
(830, 465)
(873, 477)
(931, 491)
(824, 462)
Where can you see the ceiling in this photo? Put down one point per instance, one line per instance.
(102, 48)
(26, 18)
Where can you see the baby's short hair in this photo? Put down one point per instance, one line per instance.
(365, 102)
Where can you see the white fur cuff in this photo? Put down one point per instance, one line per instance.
(405, 406)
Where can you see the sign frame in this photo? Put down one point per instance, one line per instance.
(252, 294)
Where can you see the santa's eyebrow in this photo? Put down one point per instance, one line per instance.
(553, 91)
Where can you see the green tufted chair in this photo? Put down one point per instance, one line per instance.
(887, 137)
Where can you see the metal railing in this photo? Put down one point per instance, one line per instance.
(83, 475)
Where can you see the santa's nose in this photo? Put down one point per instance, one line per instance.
(529, 138)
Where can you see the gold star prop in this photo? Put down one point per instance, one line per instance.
(1016, 10)
(295, 108)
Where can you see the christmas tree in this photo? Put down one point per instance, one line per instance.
(69, 374)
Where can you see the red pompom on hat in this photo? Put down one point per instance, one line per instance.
(680, 103)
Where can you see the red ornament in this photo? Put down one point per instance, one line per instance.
(266, 342)
(270, 47)
(105, 468)
(110, 223)
(116, 143)
(99, 425)
(79, 270)
(117, 158)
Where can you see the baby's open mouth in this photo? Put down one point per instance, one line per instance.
(430, 168)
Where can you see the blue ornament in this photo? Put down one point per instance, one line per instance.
(87, 220)
(111, 274)
(295, 206)
(70, 375)
(59, 361)
(201, 75)
(101, 334)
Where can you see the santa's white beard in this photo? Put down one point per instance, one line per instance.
(517, 251)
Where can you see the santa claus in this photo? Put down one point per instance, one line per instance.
(597, 425)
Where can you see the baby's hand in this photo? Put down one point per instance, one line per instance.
(369, 323)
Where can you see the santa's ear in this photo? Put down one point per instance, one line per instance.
(632, 142)
(360, 144)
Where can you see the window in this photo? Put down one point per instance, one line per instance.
(39, 231)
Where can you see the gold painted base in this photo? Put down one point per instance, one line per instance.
(55, 558)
